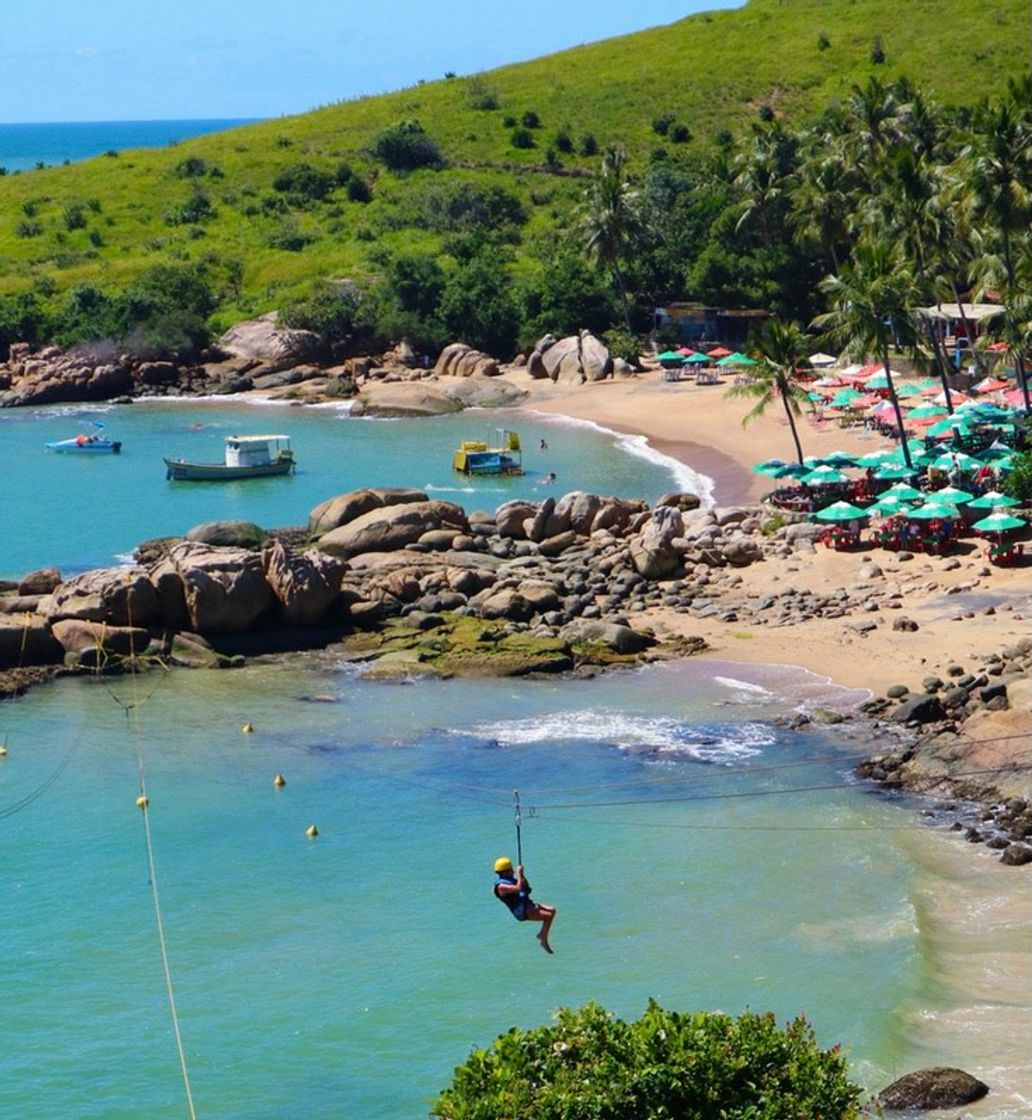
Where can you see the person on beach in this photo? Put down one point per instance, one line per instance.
(512, 888)
(543, 445)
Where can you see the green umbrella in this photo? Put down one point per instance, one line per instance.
(838, 459)
(952, 496)
(770, 466)
(670, 356)
(790, 470)
(696, 359)
(890, 470)
(878, 381)
(904, 493)
(888, 504)
(823, 476)
(908, 390)
(999, 523)
(995, 452)
(844, 397)
(737, 359)
(960, 459)
(993, 499)
(931, 511)
(840, 511)
(875, 458)
(950, 425)
(925, 410)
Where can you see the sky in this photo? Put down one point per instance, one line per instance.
(97, 60)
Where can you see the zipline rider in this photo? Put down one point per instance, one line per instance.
(513, 889)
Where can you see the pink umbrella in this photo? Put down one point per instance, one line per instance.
(884, 411)
(990, 385)
(955, 396)
(1014, 398)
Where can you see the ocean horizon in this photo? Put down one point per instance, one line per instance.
(25, 145)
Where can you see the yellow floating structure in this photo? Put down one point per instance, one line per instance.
(479, 457)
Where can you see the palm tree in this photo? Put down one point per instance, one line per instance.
(781, 351)
(870, 301)
(610, 219)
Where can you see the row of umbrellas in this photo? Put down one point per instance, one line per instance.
(887, 465)
(938, 508)
(718, 356)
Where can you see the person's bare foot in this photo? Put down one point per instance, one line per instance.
(544, 945)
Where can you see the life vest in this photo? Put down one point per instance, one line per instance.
(516, 901)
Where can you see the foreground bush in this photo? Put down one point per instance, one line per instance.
(691, 1066)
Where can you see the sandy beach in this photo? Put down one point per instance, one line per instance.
(698, 425)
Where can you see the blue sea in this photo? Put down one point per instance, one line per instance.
(24, 146)
(698, 850)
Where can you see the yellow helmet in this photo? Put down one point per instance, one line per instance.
(502, 863)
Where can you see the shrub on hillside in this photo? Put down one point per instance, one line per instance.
(288, 235)
(196, 209)
(331, 310)
(359, 190)
(530, 119)
(661, 124)
(522, 138)
(481, 96)
(588, 144)
(75, 216)
(303, 184)
(706, 1064)
(405, 146)
(564, 142)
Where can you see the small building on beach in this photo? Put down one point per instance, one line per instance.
(697, 324)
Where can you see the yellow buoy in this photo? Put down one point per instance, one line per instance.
(279, 781)
(247, 728)
(142, 802)
(311, 830)
(3, 752)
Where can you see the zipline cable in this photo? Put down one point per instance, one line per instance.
(519, 827)
(132, 715)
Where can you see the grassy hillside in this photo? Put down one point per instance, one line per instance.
(105, 220)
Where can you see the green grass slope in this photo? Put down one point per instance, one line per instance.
(105, 220)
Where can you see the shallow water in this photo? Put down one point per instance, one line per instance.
(78, 512)
(348, 975)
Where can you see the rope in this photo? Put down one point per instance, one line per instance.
(519, 827)
(132, 715)
(17, 806)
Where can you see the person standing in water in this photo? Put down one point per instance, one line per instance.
(511, 888)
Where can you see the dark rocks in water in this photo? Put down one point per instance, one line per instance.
(941, 1087)
(1017, 855)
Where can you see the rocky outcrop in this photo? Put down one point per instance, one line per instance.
(233, 534)
(343, 509)
(116, 596)
(572, 360)
(223, 589)
(387, 529)
(941, 1087)
(460, 360)
(306, 585)
(51, 376)
(276, 348)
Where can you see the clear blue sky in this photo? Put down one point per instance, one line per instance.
(81, 60)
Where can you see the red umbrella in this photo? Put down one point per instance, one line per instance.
(719, 352)
(684, 351)
(991, 385)
(997, 347)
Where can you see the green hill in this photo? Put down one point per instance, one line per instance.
(214, 199)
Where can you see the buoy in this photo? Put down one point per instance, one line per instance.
(279, 781)
(142, 802)
(311, 830)
(247, 728)
(3, 752)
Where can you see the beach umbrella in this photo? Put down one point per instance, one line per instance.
(908, 389)
(919, 454)
(993, 499)
(960, 459)
(840, 511)
(956, 397)
(822, 361)
(952, 495)
(924, 410)
(790, 470)
(996, 451)
(815, 397)
(890, 470)
(999, 523)
(769, 466)
(684, 351)
(931, 511)
(824, 476)
(831, 382)
(875, 458)
(719, 352)
(696, 359)
(991, 385)
(904, 493)
(838, 459)
(889, 506)
(950, 425)
(736, 359)
(670, 356)
(844, 397)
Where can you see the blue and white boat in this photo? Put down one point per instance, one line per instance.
(83, 444)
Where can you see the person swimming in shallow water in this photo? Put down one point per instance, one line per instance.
(512, 888)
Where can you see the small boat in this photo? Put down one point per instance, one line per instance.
(479, 457)
(245, 457)
(87, 445)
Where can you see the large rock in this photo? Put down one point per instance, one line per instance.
(619, 638)
(941, 1087)
(118, 596)
(306, 585)
(27, 641)
(224, 590)
(572, 360)
(40, 582)
(616, 514)
(343, 509)
(82, 637)
(402, 398)
(274, 346)
(596, 361)
(510, 517)
(229, 534)
(392, 527)
(460, 360)
(652, 550)
(924, 708)
(577, 511)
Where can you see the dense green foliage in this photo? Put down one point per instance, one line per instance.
(666, 1064)
(744, 157)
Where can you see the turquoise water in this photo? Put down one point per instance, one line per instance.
(22, 146)
(79, 512)
(347, 975)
